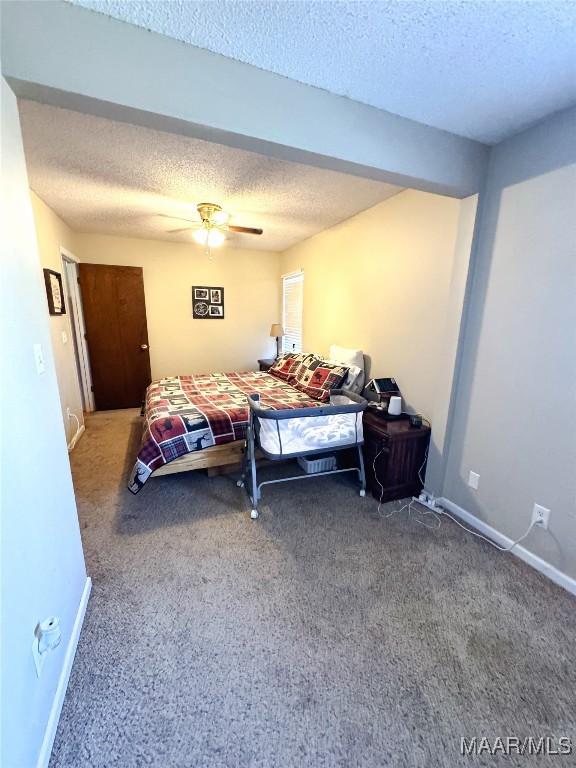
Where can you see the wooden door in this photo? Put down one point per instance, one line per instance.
(116, 334)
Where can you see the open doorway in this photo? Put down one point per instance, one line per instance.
(77, 327)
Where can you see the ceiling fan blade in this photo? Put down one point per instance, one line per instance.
(245, 230)
(180, 229)
(178, 218)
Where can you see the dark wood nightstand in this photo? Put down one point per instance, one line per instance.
(266, 363)
(397, 450)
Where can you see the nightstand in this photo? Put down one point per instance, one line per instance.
(266, 363)
(397, 451)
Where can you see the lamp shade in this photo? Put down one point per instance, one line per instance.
(276, 330)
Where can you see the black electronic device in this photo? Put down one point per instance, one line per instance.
(384, 386)
(381, 390)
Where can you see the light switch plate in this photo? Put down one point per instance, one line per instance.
(64, 337)
(39, 359)
(474, 480)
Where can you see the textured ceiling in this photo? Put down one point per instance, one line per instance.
(480, 69)
(114, 178)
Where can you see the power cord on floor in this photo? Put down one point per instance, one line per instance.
(423, 465)
(438, 512)
(380, 452)
(72, 415)
(427, 513)
(493, 543)
(76, 435)
(394, 511)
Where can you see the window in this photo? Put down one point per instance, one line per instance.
(292, 301)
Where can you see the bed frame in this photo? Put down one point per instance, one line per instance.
(216, 459)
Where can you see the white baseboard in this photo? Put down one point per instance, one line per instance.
(56, 708)
(79, 432)
(549, 570)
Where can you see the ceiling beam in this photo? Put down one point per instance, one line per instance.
(71, 57)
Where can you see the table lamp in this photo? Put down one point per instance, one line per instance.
(277, 331)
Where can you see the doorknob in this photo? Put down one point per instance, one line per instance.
(143, 346)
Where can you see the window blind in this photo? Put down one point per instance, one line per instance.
(292, 302)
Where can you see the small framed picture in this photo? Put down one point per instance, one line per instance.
(54, 292)
(200, 310)
(207, 302)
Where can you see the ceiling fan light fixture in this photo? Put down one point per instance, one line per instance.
(220, 217)
(201, 236)
(210, 230)
(209, 237)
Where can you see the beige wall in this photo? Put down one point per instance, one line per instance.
(389, 281)
(178, 343)
(52, 234)
(451, 333)
(515, 417)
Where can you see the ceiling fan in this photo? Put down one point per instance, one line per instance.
(213, 224)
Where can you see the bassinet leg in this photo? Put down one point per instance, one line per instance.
(361, 471)
(249, 465)
(254, 512)
(243, 466)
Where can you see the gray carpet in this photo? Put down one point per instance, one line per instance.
(319, 635)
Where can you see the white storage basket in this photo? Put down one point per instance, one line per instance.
(321, 463)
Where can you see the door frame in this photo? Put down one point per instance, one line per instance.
(79, 327)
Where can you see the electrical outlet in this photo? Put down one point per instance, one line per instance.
(473, 480)
(540, 516)
(64, 337)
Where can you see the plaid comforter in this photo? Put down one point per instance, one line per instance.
(189, 413)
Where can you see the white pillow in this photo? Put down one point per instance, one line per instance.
(353, 359)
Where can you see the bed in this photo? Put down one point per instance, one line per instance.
(195, 422)
(201, 421)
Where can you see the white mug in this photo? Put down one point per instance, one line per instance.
(395, 406)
